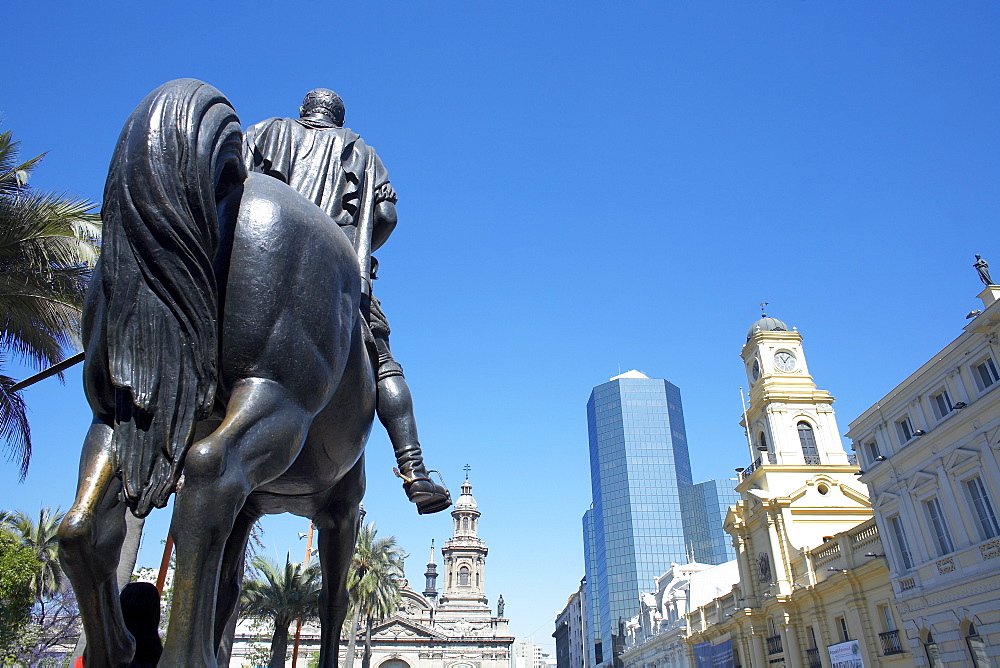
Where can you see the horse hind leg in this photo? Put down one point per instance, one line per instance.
(90, 540)
(230, 579)
(338, 527)
(259, 438)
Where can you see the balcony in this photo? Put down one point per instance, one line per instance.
(890, 643)
(774, 645)
(812, 460)
(750, 469)
(812, 658)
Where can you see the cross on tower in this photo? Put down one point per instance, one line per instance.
(467, 469)
(762, 305)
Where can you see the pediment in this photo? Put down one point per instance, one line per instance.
(961, 458)
(399, 627)
(886, 499)
(921, 479)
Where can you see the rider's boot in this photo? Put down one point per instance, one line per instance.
(429, 496)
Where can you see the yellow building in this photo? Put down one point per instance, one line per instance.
(813, 583)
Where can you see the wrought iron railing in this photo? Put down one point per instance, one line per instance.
(852, 459)
(890, 643)
(812, 460)
(774, 645)
(812, 658)
(750, 469)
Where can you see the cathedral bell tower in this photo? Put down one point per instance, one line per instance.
(464, 556)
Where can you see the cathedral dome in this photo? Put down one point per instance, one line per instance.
(466, 502)
(766, 324)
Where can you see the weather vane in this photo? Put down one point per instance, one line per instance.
(762, 305)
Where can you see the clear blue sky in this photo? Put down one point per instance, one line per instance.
(584, 187)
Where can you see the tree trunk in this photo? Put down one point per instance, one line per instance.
(366, 659)
(279, 644)
(126, 564)
(352, 641)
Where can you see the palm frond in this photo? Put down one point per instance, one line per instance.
(14, 428)
(49, 244)
(41, 536)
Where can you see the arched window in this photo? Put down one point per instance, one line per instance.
(477, 579)
(762, 442)
(394, 663)
(977, 648)
(463, 576)
(807, 440)
(465, 524)
(931, 650)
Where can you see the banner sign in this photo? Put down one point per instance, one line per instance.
(846, 655)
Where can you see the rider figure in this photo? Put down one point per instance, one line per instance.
(333, 167)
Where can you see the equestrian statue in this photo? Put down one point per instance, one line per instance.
(235, 357)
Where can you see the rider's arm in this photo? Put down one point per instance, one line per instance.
(385, 223)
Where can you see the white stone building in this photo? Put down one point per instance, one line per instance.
(571, 631)
(655, 636)
(929, 450)
(526, 654)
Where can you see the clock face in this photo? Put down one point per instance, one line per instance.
(784, 361)
(755, 371)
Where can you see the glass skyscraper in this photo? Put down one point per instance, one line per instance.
(638, 463)
(703, 508)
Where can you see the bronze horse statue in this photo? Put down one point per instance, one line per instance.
(226, 362)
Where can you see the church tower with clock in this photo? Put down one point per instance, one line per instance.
(801, 486)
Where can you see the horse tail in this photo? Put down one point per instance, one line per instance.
(179, 152)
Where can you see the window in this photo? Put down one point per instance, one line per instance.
(807, 440)
(885, 612)
(985, 373)
(762, 442)
(842, 627)
(977, 648)
(463, 576)
(931, 649)
(904, 429)
(941, 403)
(988, 527)
(941, 534)
(872, 448)
(905, 558)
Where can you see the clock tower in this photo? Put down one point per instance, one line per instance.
(801, 485)
(789, 420)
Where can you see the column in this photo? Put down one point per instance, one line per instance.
(793, 654)
(757, 649)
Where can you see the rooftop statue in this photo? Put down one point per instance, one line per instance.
(231, 349)
(983, 267)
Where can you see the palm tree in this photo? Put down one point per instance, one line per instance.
(373, 584)
(281, 595)
(48, 247)
(41, 537)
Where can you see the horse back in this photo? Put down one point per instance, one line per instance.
(292, 295)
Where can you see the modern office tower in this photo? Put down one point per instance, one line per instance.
(703, 507)
(638, 466)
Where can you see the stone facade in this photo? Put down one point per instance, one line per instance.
(931, 453)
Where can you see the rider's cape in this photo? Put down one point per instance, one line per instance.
(331, 166)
